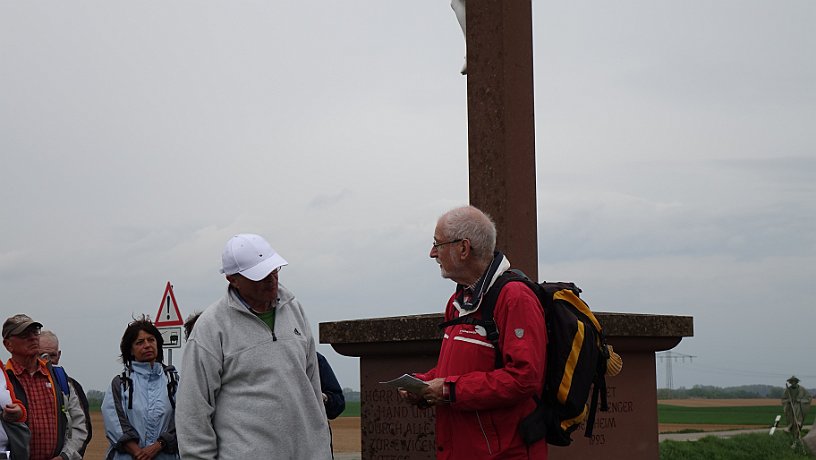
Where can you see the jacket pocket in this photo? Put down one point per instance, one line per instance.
(490, 435)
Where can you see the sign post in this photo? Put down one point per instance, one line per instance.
(169, 322)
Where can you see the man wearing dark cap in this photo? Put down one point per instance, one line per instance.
(35, 386)
(251, 384)
(796, 402)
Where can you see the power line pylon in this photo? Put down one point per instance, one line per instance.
(669, 357)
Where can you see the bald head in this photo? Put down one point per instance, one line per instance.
(49, 343)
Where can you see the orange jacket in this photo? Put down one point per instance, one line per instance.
(14, 399)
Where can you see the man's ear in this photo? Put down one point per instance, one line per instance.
(465, 251)
(232, 280)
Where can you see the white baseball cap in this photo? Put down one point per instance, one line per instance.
(251, 256)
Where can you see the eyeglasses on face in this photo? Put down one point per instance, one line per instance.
(437, 245)
(28, 333)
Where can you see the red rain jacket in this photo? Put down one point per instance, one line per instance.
(482, 421)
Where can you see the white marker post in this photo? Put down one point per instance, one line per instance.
(776, 423)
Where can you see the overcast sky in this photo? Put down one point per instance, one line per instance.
(675, 147)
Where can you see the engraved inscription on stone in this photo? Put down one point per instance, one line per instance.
(394, 430)
(608, 421)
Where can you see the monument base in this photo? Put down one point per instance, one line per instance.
(393, 430)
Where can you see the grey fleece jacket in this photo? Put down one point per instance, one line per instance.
(248, 394)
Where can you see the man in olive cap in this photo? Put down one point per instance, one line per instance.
(34, 381)
(796, 402)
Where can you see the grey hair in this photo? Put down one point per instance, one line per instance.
(49, 334)
(470, 223)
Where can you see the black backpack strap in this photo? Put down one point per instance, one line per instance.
(487, 306)
(172, 384)
(127, 384)
(467, 319)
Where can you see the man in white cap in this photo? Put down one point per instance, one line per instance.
(250, 381)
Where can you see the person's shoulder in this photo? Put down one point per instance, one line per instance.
(213, 315)
(115, 381)
(517, 290)
(518, 298)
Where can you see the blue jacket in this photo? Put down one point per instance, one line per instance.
(151, 417)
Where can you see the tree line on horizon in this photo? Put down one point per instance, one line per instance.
(714, 392)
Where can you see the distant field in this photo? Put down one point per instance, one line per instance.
(352, 409)
(719, 402)
(759, 412)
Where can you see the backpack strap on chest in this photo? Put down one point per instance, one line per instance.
(127, 384)
(486, 307)
(61, 378)
(172, 384)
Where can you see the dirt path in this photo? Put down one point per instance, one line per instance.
(345, 436)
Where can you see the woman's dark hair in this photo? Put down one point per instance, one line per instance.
(132, 332)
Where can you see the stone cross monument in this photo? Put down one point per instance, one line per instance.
(501, 147)
(501, 128)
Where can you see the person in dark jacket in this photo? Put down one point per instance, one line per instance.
(333, 397)
(332, 393)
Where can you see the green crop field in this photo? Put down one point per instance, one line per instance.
(751, 415)
(352, 409)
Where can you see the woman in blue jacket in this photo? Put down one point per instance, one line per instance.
(139, 405)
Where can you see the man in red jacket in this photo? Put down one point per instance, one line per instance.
(479, 406)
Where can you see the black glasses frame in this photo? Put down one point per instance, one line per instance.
(436, 245)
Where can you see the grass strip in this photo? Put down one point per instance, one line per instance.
(742, 447)
(749, 415)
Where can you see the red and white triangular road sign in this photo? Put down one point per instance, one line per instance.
(169, 314)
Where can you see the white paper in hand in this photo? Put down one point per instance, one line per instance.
(409, 383)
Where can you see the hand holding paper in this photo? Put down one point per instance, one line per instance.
(408, 383)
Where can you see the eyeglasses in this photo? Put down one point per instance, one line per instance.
(436, 245)
(28, 333)
(273, 274)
